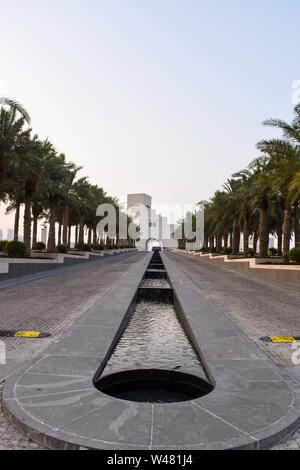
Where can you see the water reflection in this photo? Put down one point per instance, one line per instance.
(154, 339)
(156, 283)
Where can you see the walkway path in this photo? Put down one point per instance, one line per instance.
(260, 307)
(254, 304)
(51, 303)
(53, 399)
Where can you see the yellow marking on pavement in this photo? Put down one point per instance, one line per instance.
(27, 334)
(283, 339)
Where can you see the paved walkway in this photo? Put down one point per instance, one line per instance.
(51, 303)
(243, 298)
(259, 306)
(253, 403)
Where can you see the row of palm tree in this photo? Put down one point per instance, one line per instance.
(35, 175)
(262, 199)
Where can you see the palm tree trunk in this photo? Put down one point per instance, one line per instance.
(34, 231)
(286, 229)
(235, 237)
(27, 224)
(246, 236)
(231, 239)
(69, 235)
(297, 228)
(94, 236)
(65, 225)
(81, 232)
(218, 242)
(279, 240)
(263, 233)
(51, 238)
(255, 240)
(76, 235)
(225, 238)
(17, 220)
(59, 233)
(206, 242)
(90, 236)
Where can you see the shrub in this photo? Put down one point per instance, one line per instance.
(3, 245)
(62, 249)
(16, 249)
(40, 246)
(294, 255)
(86, 247)
(250, 253)
(227, 250)
(273, 252)
(109, 247)
(213, 250)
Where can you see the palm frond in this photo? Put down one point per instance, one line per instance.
(4, 101)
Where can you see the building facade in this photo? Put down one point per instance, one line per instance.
(155, 231)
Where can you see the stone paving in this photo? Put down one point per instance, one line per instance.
(260, 307)
(10, 437)
(51, 303)
(233, 292)
(54, 400)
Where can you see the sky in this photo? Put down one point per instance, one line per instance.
(165, 97)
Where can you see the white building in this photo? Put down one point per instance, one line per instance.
(154, 228)
(44, 235)
(10, 234)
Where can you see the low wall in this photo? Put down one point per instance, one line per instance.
(14, 267)
(288, 273)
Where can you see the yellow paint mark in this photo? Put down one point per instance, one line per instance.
(27, 334)
(283, 339)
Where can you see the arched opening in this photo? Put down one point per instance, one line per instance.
(153, 243)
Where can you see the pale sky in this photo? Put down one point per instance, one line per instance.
(158, 96)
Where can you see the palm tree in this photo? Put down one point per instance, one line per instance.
(259, 193)
(37, 213)
(11, 132)
(57, 176)
(290, 131)
(276, 210)
(16, 200)
(294, 188)
(84, 196)
(68, 200)
(218, 220)
(284, 162)
(14, 105)
(29, 166)
(233, 207)
(244, 195)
